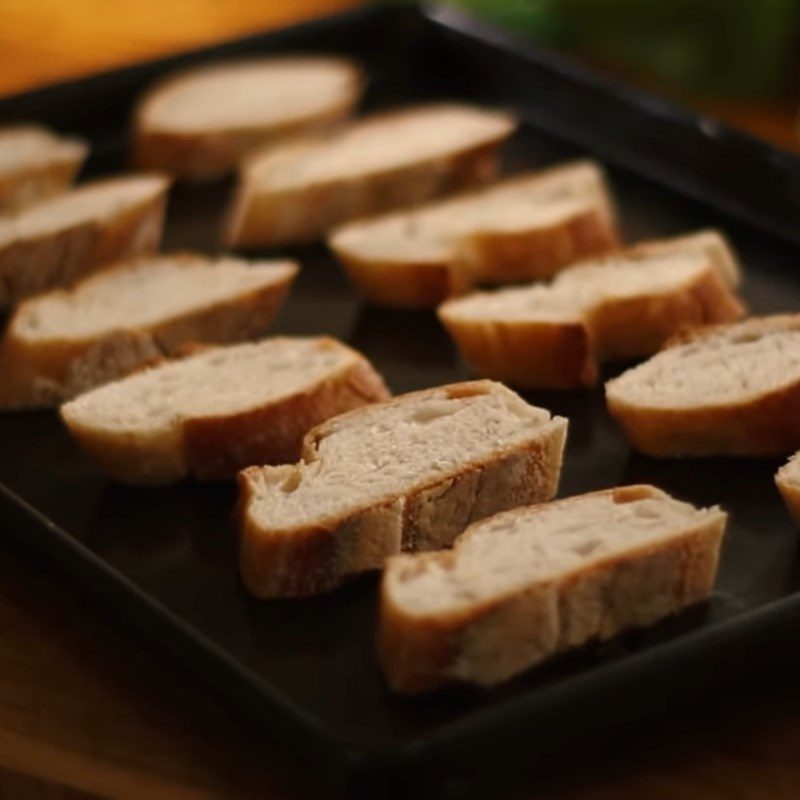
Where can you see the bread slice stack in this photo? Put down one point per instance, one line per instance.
(615, 308)
(298, 192)
(729, 390)
(409, 474)
(212, 413)
(35, 164)
(525, 585)
(523, 228)
(60, 240)
(68, 341)
(787, 480)
(201, 123)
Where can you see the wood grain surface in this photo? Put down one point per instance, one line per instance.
(87, 711)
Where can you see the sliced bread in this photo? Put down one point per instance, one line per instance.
(201, 123)
(68, 341)
(212, 413)
(618, 307)
(717, 390)
(787, 480)
(523, 228)
(523, 586)
(300, 191)
(64, 238)
(409, 474)
(35, 163)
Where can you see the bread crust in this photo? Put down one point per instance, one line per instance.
(789, 487)
(534, 354)
(304, 214)
(209, 155)
(33, 265)
(216, 447)
(44, 374)
(768, 425)
(324, 554)
(489, 642)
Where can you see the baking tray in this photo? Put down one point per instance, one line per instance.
(163, 560)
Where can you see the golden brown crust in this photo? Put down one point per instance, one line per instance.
(789, 487)
(551, 355)
(32, 266)
(324, 554)
(489, 642)
(304, 214)
(44, 374)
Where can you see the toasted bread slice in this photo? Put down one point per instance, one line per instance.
(68, 341)
(524, 228)
(615, 308)
(35, 164)
(210, 414)
(787, 480)
(523, 586)
(58, 241)
(299, 192)
(200, 124)
(409, 474)
(716, 390)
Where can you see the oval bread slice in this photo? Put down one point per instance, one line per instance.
(68, 341)
(718, 390)
(222, 409)
(524, 228)
(525, 585)
(618, 307)
(60, 240)
(35, 164)
(201, 123)
(298, 192)
(409, 474)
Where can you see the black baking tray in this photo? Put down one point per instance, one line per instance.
(163, 560)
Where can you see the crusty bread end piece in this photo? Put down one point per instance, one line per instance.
(65, 342)
(615, 308)
(200, 124)
(225, 408)
(36, 164)
(523, 586)
(409, 474)
(716, 390)
(527, 227)
(298, 192)
(60, 240)
(787, 479)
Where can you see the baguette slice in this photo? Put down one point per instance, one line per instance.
(787, 480)
(717, 390)
(409, 474)
(523, 586)
(619, 307)
(523, 228)
(200, 124)
(60, 240)
(60, 344)
(36, 164)
(300, 191)
(225, 408)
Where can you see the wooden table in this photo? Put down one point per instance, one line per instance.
(87, 711)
